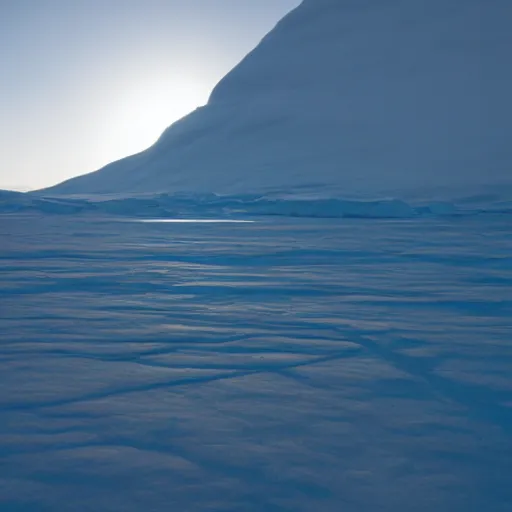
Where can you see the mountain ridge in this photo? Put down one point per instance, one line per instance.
(366, 98)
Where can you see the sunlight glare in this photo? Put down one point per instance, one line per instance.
(144, 110)
(197, 221)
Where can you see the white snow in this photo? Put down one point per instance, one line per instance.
(160, 351)
(357, 98)
(283, 365)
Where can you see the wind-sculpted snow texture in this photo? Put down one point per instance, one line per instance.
(289, 364)
(367, 98)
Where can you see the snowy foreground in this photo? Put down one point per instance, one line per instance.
(288, 364)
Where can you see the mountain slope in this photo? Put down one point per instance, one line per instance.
(359, 97)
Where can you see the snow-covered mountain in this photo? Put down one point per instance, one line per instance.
(357, 97)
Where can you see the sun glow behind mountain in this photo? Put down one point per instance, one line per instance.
(140, 113)
(90, 81)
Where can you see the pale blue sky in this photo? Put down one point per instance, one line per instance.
(85, 82)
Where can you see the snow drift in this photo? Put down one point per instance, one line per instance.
(366, 98)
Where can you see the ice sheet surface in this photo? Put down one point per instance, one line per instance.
(289, 364)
